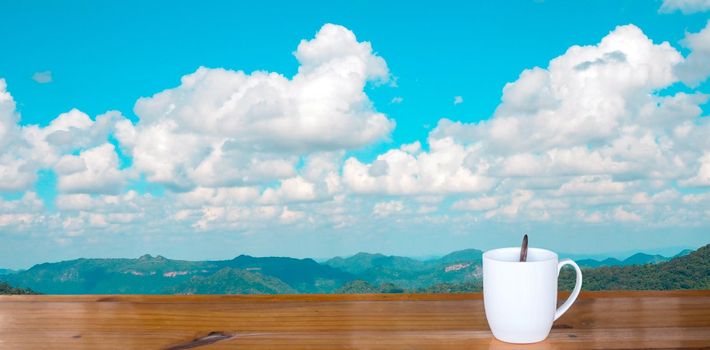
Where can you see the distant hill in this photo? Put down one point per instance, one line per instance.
(683, 252)
(409, 273)
(465, 255)
(636, 259)
(8, 289)
(597, 263)
(690, 271)
(466, 287)
(357, 287)
(304, 275)
(158, 275)
(145, 275)
(456, 272)
(6, 271)
(233, 281)
(363, 287)
(363, 262)
(641, 258)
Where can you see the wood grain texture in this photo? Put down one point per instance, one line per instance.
(598, 320)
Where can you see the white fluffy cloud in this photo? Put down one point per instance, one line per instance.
(125, 212)
(24, 150)
(574, 139)
(587, 139)
(23, 212)
(685, 6)
(223, 128)
(622, 215)
(384, 209)
(17, 172)
(702, 178)
(696, 67)
(290, 190)
(409, 171)
(94, 170)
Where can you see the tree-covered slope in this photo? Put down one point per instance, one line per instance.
(304, 275)
(8, 289)
(233, 281)
(156, 275)
(362, 273)
(691, 271)
(409, 273)
(6, 271)
(145, 275)
(364, 287)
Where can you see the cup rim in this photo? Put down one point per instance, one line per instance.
(488, 255)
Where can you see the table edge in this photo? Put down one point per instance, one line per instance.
(325, 297)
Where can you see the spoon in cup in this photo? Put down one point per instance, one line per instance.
(524, 249)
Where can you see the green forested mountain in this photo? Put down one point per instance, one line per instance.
(462, 256)
(8, 289)
(409, 273)
(145, 275)
(157, 275)
(636, 259)
(466, 287)
(304, 275)
(364, 287)
(362, 273)
(363, 262)
(233, 281)
(691, 271)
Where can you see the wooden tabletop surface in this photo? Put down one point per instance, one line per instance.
(598, 320)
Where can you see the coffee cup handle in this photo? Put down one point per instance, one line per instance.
(577, 287)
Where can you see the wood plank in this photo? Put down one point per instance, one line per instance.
(599, 320)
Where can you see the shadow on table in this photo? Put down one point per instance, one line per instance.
(496, 344)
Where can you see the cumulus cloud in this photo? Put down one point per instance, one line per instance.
(586, 139)
(17, 173)
(685, 6)
(232, 148)
(586, 132)
(290, 190)
(696, 67)
(622, 215)
(405, 171)
(94, 170)
(223, 127)
(24, 150)
(458, 100)
(22, 214)
(124, 212)
(702, 178)
(384, 209)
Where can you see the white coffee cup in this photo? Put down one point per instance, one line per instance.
(520, 298)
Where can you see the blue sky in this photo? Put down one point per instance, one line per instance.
(95, 57)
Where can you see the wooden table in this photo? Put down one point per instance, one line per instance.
(599, 320)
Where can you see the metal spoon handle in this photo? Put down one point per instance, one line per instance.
(524, 249)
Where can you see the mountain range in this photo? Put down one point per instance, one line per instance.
(158, 275)
(6, 271)
(459, 271)
(636, 259)
(684, 271)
